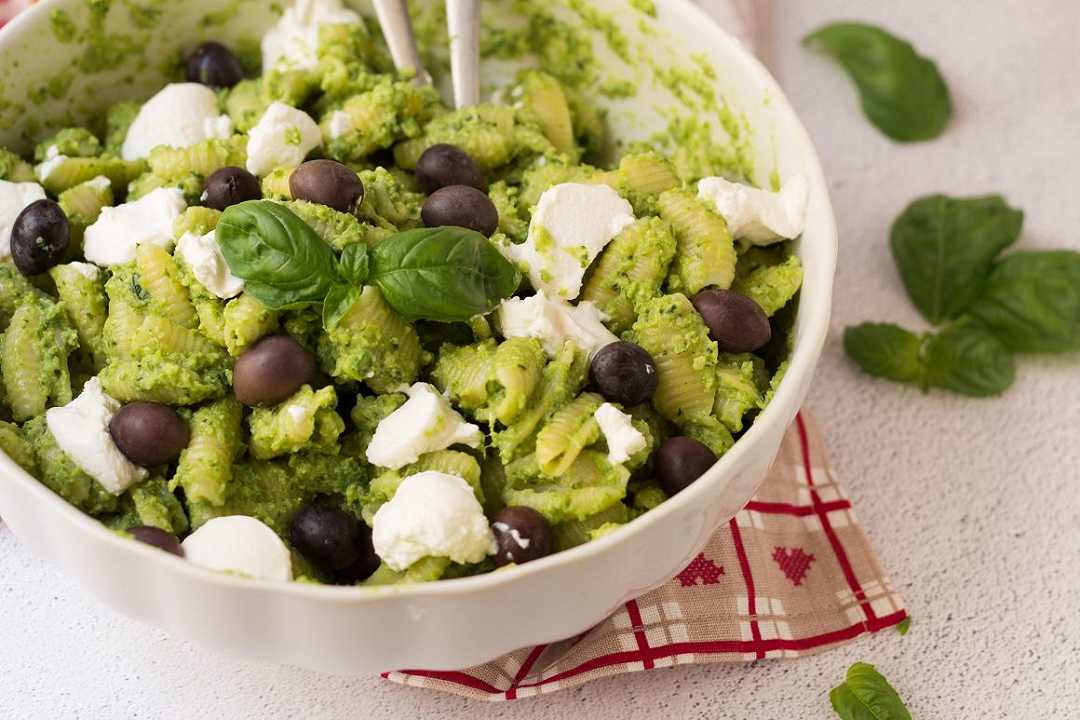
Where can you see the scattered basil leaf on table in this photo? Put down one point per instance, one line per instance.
(447, 274)
(866, 695)
(1032, 301)
(444, 274)
(969, 360)
(902, 93)
(903, 626)
(282, 261)
(886, 351)
(944, 248)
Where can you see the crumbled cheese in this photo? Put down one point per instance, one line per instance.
(14, 197)
(432, 514)
(294, 41)
(425, 423)
(758, 216)
(88, 271)
(81, 429)
(553, 322)
(112, 239)
(202, 253)
(43, 170)
(180, 115)
(572, 223)
(340, 124)
(521, 542)
(623, 439)
(99, 183)
(272, 143)
(239, 544)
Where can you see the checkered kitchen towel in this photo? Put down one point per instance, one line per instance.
(791, 574)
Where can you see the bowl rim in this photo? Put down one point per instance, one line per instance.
(802, 363)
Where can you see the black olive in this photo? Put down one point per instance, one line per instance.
(327, 182)
(215, 65)
(442, 165)
(680, 461)
(330, 539)
(40, 236)
(522, 534)
(624, 373)
(735, 322)
(461, 206)
(149, 433)
(158, 538)
(271, 370)
(229, 186)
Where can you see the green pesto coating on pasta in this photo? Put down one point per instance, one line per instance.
(245, 320)
(590, 485)
(541, 95)
(372, 344)
(388, 113)
(117, 122)
(205, 467)
(70, 142)
(14, 288)
(426, 569)
(670, 330)
(569, 430)
(15, 169)
(16, 447)
(159, 275)
(505, 199)
(630, 271)
(741, 382)
(83, 300)
(388, 203)
(306, 421)
(337, 229)
(642, 177)
(155, 505)
(77, 170)
(463, 373)
(202, 159)
(578, 532)
(34, 357)
(706, 254)
(196, 220)
(485, 132)
(772, 286)
(245, 104)
(83, 203)
(61, 475)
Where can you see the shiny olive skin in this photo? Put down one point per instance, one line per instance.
(442, 165)
(149, 433)
(519, 522)
(329, 183)
(230, 186)
(215, 65)
(329, 538)
(40, 236)
(680, 461)
(461, 206)
(735, 322)
(271, 370)
(158, 538)
(624, 373)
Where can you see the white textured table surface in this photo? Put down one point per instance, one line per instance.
(973, 506)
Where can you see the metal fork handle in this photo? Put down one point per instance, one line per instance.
(397, 29)
(463, 23)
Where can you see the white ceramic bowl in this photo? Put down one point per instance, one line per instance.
(456, 623)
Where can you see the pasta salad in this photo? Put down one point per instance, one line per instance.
(310, 324)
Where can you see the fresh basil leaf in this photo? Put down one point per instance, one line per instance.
(886, 351)
(866, 695)
(944, 248)
(447, 274)
(1032, 301)
(968, 360)
(354, 264)
(282, 261)
(903, 626)
(902, 93)
(338, 302)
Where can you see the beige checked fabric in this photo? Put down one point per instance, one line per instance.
(791, 574)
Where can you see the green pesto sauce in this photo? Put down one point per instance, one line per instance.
(618, 88)
(62, 26)
(604, 24)
(645, 6)
(222, 16)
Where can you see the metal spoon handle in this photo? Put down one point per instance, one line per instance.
(397, 29)
(463, 22)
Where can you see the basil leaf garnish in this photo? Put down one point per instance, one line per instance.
(1032, 301)
(902, 93)
(944, 248)
(969, 360)
(337, 303)
(280, 258)
(447, 274)
(866, 695)
(886, 351)
(354, 264)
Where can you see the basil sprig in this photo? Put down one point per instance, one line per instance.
(445, 274)
(902, 93)
(944, 248)
(865, 694)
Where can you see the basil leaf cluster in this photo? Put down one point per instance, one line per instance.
(444, 274)
(902, 92)
(865, 694)
(946, 250)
